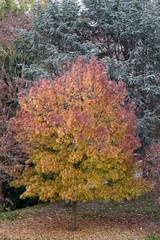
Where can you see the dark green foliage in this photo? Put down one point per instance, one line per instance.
(152, 237)
(13, 195)
(57, 38)
(129, 33)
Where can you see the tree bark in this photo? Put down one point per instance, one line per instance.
(73, 217)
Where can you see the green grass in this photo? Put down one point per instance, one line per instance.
(152, 237)
(9, 215)
(22, 213)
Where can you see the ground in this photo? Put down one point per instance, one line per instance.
(128, 220)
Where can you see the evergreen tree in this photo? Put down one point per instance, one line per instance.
(128, 34)
(57, 38)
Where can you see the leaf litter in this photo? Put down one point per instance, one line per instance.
(96, 220)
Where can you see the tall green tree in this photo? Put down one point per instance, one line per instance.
(57, 38)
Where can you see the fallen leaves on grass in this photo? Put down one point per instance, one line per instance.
(95, 221)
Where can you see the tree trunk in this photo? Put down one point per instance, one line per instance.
(73, 217)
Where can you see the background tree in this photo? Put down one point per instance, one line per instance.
(11, 81)
(57, 38)
(9, 58)
(80, 134)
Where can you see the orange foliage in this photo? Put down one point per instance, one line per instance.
(80, 136)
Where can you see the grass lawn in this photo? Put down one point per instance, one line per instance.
(137, 219)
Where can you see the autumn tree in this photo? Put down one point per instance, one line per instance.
(79, 133)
